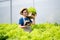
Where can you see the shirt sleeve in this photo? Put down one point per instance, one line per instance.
(21, 21)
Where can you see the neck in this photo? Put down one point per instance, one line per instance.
(24, 16)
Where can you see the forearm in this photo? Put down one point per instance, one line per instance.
(33, 22)
(22, 26)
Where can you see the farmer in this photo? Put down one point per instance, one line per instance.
(24, 21)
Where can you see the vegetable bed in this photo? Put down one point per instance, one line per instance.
(46, 31)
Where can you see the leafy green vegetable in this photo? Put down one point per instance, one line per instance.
(32, 10)
(46, 31)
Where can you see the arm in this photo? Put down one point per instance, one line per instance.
(33, 22)
(22, 26)
(21, 23)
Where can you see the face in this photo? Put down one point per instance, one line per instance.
(25, 13)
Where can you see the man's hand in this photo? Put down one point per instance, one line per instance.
(33, 16)
(22, 26)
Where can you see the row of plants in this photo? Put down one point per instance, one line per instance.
(46, 31)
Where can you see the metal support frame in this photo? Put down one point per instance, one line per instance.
(33, 3)
(11, 11)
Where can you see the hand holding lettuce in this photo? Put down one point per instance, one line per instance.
(32, 12)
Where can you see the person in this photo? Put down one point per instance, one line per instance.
(24, 21)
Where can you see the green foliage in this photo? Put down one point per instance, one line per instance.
(46, 31)
(32, 10)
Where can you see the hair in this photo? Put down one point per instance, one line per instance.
(21, 12)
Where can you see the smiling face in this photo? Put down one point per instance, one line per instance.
(25, 13)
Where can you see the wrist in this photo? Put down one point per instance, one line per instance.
(23, 26)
